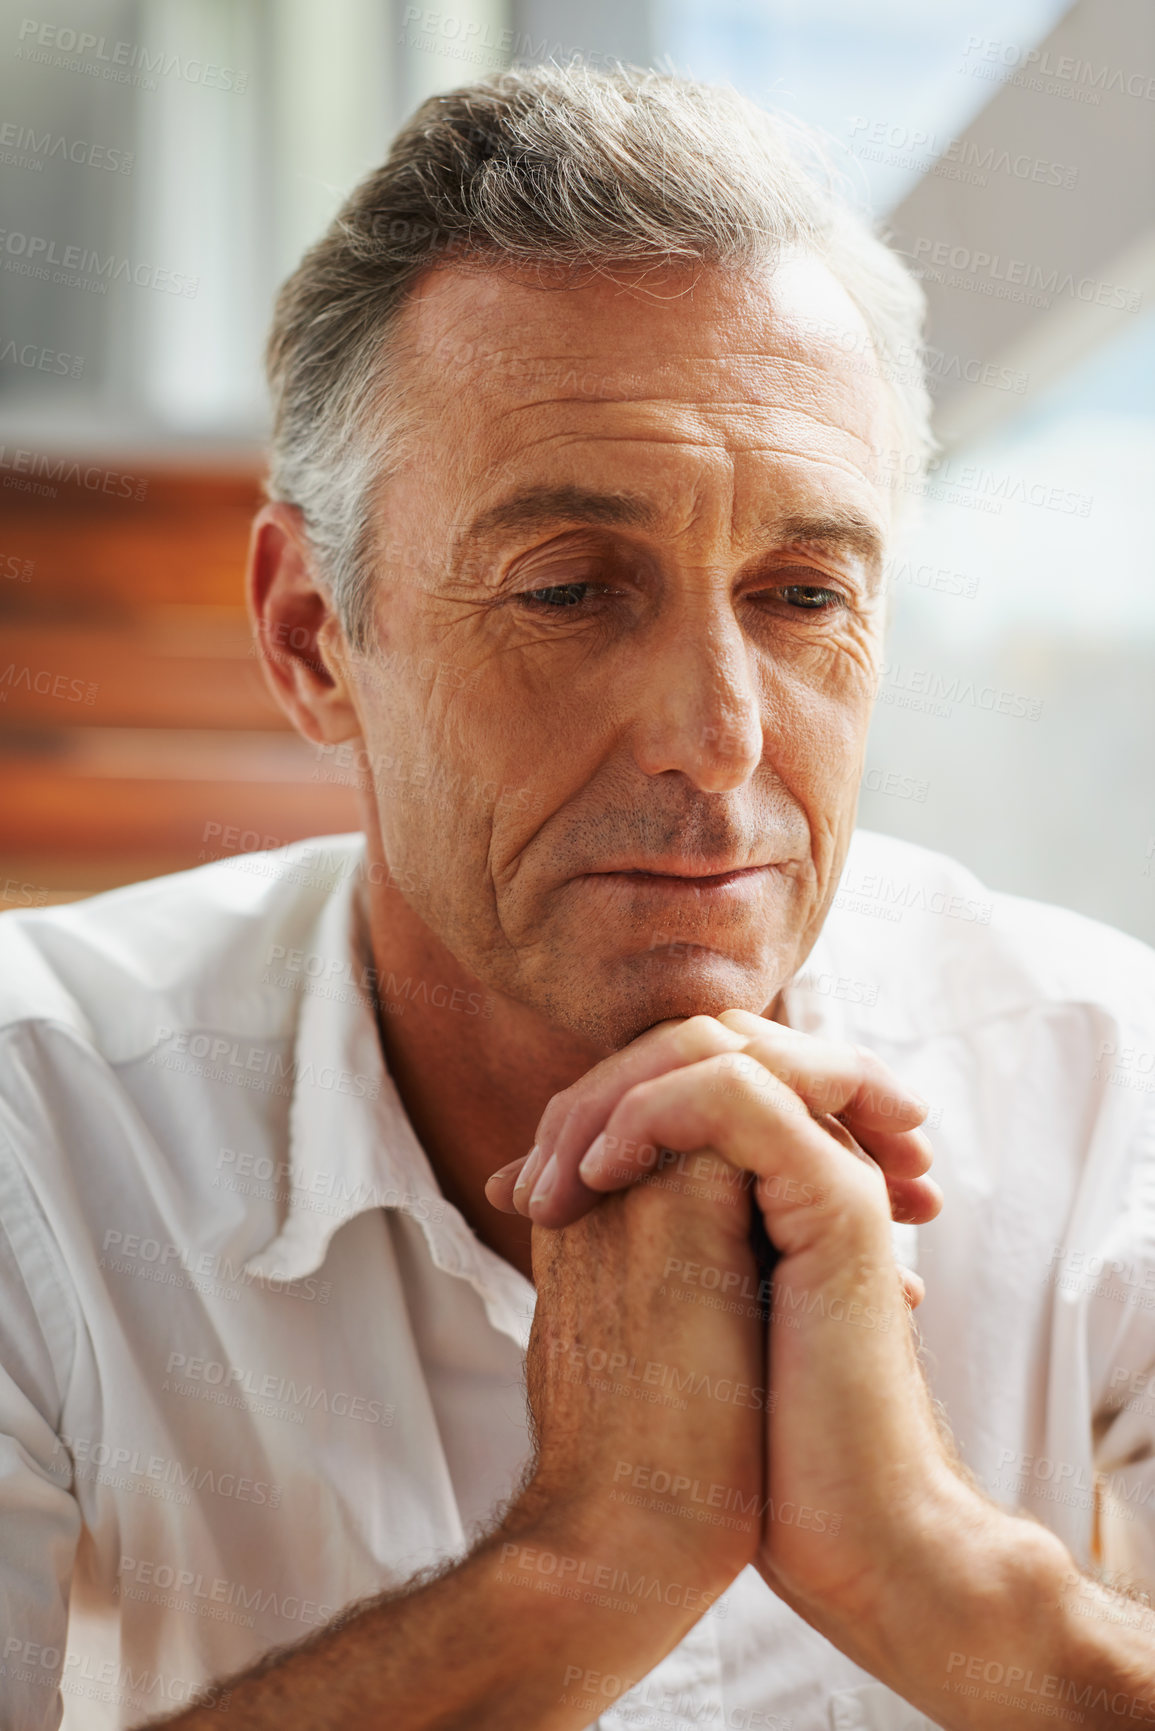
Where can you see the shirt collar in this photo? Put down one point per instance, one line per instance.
(351, 1145)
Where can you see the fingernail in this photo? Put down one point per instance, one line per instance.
(528, 1173)
(544, 1184)
(504, 1171)
(590, 1169)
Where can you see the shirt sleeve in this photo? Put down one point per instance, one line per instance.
(1121, 1324)
(40, 1520)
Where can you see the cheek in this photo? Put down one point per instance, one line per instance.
(540, 722)
(818, 712)
(408, 753)
(462, 769)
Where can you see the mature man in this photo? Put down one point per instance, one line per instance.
(585, 415)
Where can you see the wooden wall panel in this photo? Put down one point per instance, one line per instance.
(134, 716)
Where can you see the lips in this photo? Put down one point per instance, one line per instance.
(699, 872)
(741, 882)
(695, 880)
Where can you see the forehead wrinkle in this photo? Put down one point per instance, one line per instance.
(844, 465)
(563, 438)
(703, 414)
(789, 373)
(729, 449)
(715, 347)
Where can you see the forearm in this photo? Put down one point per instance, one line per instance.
(485, 1645)
(1011, 1626)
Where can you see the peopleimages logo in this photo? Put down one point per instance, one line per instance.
(1040, 68)
(46, 683)
(83, 267)
(23, 147)
(952, 158)
(936, 687)
(1016, 278)
(39, 359)
(42, 467)
(244, 1063)
(124, 1468)
(45, 44)
(151, 1578)
(972, 483)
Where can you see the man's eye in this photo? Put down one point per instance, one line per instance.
(558, 596)
(810, 597)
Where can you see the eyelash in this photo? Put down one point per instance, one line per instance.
(533, 599)
(837, 599)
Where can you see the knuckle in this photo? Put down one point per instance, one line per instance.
(634, 1097)
(698, 1032)
(746, 1075)
(745, 1068)
(558, 1110)
(748, 1026)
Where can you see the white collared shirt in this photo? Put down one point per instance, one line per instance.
(254, 1366)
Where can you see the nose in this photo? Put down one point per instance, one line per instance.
(699, 708)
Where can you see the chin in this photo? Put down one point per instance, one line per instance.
(658, 987)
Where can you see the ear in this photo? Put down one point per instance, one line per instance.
(299, 637)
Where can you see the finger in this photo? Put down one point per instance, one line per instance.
(845, 1079)
(900, 1153)
(831, 1075)
(913, 1288)
(805, 1179)
(573, 1118)
(914, 1201)
(499, 1185)
(527, 1177)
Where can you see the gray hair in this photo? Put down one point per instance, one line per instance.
(555, 167)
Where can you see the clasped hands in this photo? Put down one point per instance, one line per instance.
(640, 1186)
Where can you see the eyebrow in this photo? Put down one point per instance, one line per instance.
(538, 507)
(834, 528)
(542, 507)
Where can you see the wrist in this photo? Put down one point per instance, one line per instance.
(643, 1556)
(600, 1606)
(973, 1625)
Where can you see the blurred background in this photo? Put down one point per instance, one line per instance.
(165, 162)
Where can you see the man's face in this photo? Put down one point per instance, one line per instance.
(628, 627)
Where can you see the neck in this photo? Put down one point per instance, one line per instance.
(474, 1070)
